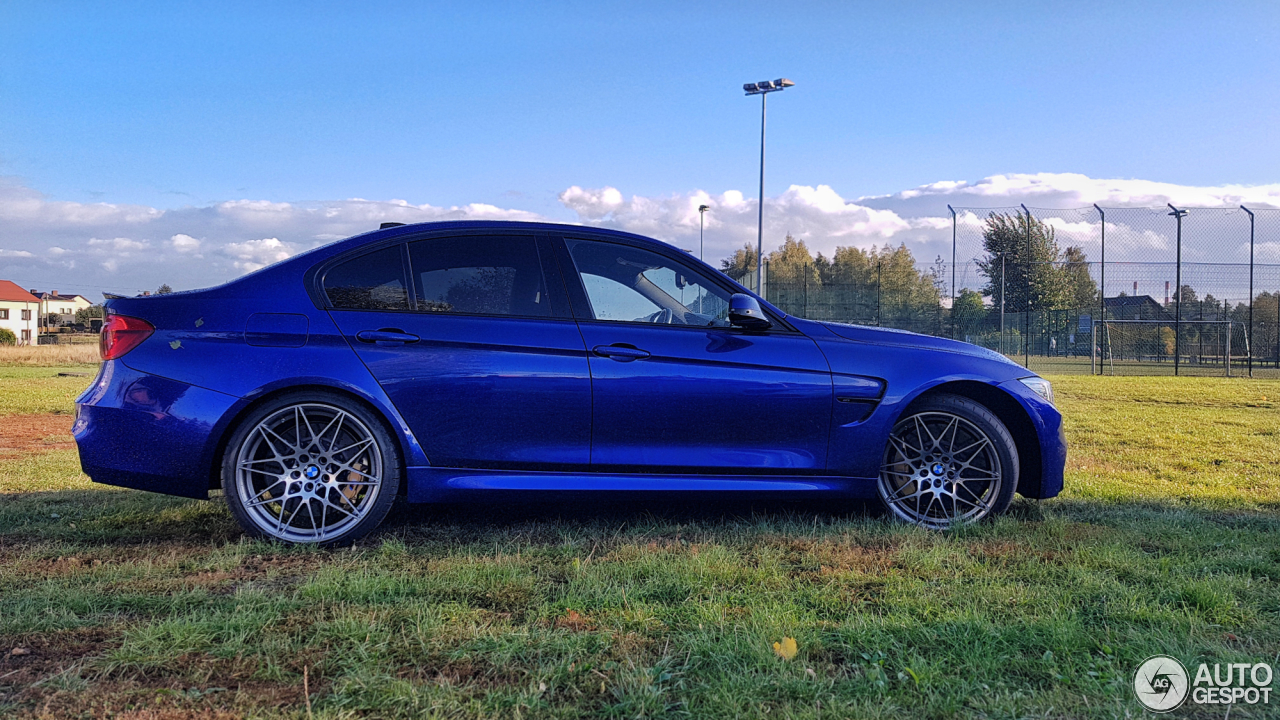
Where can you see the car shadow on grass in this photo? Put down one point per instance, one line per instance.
(111, 516)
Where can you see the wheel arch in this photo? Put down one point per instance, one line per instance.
(1010, 412)
(234, 418)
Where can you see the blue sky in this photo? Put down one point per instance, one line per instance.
(178, 108)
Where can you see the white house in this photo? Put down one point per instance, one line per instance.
(19, 312)
(63, 306)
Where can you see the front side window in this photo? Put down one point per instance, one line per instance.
(632, 285)
(479, 275)
(370, 282)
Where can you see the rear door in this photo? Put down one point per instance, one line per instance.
(472, 339)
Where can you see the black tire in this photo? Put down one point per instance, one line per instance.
(948, 461)
(311, 467)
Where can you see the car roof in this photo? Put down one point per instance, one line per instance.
(561, 228)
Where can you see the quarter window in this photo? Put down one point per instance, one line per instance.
(481, 275)
(369, 282)
(633, 285)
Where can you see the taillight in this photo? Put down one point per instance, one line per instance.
(121, 333)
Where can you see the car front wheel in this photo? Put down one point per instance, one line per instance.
(949, 461)
(311, 468)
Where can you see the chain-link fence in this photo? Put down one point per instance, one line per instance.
(1094, 290)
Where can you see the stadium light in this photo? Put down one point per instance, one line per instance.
(763, 88)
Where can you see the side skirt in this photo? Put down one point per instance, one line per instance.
(434, 484)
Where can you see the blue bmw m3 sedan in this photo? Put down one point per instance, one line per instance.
(453, 360)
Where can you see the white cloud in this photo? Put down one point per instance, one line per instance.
(819, 215)
(184, 243)
(210, 244)
(254, 254)
(119, 244)
(1073, 190)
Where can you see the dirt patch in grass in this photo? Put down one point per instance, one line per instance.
(54, 679)
(27, 660)
(30, 434)
(132, 700)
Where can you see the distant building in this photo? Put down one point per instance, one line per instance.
(1136, 307)
(19, 312)
(60, 309)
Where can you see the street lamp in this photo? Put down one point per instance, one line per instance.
(763, 89)
(702, 212)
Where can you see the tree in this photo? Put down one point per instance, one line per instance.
(7, 337)
(83, 315)
(741, 265)
(968, 310)
(1082, 291)
(908, 297)
(164, 289)
(792, 263)
(1020, 266)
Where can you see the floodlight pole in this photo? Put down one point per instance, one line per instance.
(764, 102)
(1177, 292)
(763, 89)
(1249, 337)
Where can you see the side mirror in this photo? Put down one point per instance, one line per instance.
(745, 312)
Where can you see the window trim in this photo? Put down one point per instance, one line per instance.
(779, 325)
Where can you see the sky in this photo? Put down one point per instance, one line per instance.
(188, 143)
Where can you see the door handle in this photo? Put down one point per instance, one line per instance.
(620, 352)
(386, 336)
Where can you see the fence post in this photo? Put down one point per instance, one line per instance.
(1177, 292)
(954, 328)
(1249, 335)
(1026, 312)
(1102, 286)
(806, 292)
(879, 262)
(1093, 349)
(1002, 294)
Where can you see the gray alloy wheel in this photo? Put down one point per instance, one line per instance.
(948, 462)
(313, 469)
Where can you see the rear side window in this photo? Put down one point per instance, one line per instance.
(369, 282)
(480, 275)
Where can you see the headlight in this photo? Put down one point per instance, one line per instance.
(1041, 387)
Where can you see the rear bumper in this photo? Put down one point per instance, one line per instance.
(141, 431)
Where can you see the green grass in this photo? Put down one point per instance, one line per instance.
(26, 390)
(1164, 542)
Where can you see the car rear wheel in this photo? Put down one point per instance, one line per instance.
(949, 461)
(311, 468)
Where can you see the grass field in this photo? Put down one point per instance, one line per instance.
(140, 606)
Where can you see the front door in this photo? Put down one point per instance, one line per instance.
(675, 388)
(476, 349)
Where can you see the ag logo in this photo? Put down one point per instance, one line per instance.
(1160, 683)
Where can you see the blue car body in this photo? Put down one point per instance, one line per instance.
(500, 403)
